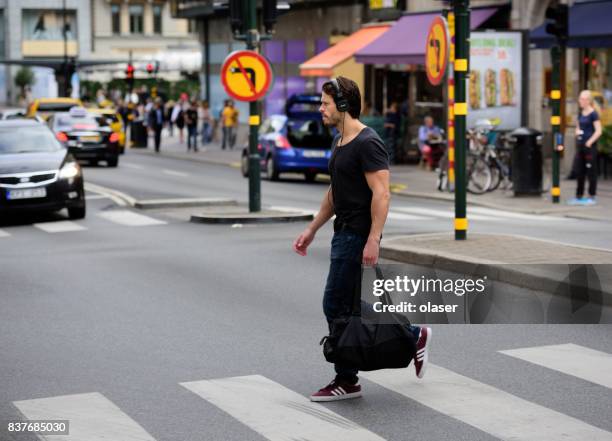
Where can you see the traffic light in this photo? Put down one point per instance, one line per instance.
(236, 17)
(269, 15)
(129, 76)
(150, 69)
(557, 17)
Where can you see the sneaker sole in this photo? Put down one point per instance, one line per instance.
(336, 397)
(426, 356)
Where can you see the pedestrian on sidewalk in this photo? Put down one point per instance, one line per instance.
(392, 130)
(359, 198)
(205, 116)
(156, 122)
(588, 131)
(229, 117)
(191, 120)
(178, 118)
(168, 113)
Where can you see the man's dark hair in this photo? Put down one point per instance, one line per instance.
(350, 92)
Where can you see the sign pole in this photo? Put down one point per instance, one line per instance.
(450, 137)
(254, 118)
(462, 34)
(555, 120)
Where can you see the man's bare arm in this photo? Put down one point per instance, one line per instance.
(378, 182)
(326, 211)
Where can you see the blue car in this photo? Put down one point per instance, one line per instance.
(296, 142)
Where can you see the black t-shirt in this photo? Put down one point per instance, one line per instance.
(350, 190)
(192, 117)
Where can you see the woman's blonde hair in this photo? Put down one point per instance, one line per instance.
(592, 101)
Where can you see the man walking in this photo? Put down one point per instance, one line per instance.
(359, 197)
(191, 119)
(156, 122)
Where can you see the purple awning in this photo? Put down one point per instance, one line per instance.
(404, 43)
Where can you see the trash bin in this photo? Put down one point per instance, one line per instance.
(526, 161)
(138, 134)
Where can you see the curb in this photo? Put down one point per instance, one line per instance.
(494, 270)
(244, 219)
(148, 204)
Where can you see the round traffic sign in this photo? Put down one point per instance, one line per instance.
(436, 50)
(246, 75)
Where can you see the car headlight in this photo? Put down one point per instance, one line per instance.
(70, 170)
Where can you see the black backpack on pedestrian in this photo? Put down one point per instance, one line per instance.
(370, 345)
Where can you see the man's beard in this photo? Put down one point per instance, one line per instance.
(332, 122)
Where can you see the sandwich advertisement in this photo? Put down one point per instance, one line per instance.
(494, 82)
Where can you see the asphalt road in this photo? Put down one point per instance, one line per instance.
(116, 321)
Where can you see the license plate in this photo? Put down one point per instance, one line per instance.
(27, 193)
(89, 138)
(314, 154)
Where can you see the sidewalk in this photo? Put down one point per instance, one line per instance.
(531, 263)
(412, 181)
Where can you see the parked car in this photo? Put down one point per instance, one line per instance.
(295, 142)
(18, 114)
(87, 136)
(45, 107)
(37, 172)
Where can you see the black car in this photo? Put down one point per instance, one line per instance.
(37, 173)
(86, 135)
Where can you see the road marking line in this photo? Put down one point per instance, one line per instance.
(578, 361)
(134, 166)
(402, 216)
(59, 226)
(4, 233)
(118, 197)
(513, 215)
(92, 417)
(276, 412)
(175, 173)
(491, 410)
(94, 197)
(445, 214)
(129, 218)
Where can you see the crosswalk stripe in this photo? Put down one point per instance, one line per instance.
(491, 410)
(59, 226)
(91, 416)
(277, 413)
(4, 233)
(512, 214)
(445, 214)
(129, 218)
(578, 361)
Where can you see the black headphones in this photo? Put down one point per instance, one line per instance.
(341, 103)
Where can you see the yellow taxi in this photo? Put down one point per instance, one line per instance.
(44, 107)
(114, 120)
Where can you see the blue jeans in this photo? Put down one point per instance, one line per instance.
(343, 279)
(192, 138)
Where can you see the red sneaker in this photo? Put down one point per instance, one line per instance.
(422, 355)
(337, 390)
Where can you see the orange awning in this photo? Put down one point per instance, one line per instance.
(322, 65)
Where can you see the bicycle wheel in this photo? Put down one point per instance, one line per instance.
(478, 173)
(496, 175)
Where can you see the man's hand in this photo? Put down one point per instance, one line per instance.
(301, 243)
(370, 252)
(588, 144)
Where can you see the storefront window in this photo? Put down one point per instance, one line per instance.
(49, 25)
(136, 19)
(598, 64)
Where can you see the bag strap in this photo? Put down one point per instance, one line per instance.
(386, 299)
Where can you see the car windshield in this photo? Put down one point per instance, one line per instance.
(55, 107)
(30, 140)
(308, 133)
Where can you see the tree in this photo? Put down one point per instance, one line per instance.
(24, 78)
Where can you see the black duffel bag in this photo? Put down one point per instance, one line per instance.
(369, 345)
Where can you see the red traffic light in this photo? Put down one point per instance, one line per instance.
(150, 68)
(129, 71)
